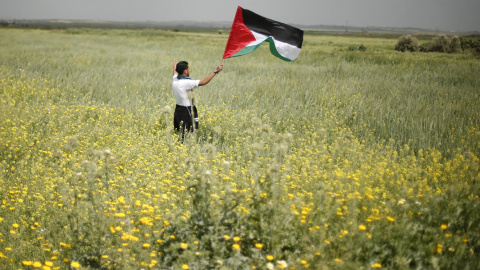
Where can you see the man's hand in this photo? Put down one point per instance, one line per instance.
(210, 76)
(174, 67)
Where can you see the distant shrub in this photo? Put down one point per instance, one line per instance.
(455, 45)
(407, 43)
(440, 44)
(470, 44)
(445, 44)
(352, 47)
(357, 48)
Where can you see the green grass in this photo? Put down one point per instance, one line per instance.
(342, 159)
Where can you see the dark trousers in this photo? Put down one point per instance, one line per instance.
(182, 119)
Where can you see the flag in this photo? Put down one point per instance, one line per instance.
(250, 30)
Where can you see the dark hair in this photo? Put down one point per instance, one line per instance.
(181, 66)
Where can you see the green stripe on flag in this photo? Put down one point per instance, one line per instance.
(246, 50)
(274, 51)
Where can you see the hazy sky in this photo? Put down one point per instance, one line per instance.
(444, 15)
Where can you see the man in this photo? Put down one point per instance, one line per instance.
(182, 85)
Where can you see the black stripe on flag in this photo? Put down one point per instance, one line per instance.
(279, 31)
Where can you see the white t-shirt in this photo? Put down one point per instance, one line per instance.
(181, 89)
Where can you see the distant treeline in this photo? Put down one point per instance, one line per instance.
(440, 43)
(192, 25)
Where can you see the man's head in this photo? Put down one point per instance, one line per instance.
(182, 68)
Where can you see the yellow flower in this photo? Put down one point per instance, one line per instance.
(185, 266)
(439, 248)
(75, 265)
(376, 265)
(27, 263)
(362, 227)
(270, 257)
(236, 247)
(104, 256)
(37, 264)
(259, 245)
(444, 226)
(183, 246)
(146, 245)
(237, 239)
(303, 262)
(119, 215)
(338, 260)
(15, 225)
(390, 219)
(226, 236)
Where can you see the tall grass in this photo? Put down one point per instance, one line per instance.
(340, 159)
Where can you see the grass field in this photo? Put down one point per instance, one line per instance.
(342, 159)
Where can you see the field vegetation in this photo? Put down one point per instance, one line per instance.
(345, 158)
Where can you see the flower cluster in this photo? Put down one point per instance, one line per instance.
(88, 184)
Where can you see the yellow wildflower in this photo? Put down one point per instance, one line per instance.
(119, 215)
(27, 263)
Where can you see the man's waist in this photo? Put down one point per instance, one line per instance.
(184, 107)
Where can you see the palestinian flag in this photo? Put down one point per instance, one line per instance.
(250, 30)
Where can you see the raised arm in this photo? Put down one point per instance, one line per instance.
(174, 67)
(210, 76)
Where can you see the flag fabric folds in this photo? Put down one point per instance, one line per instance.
(250, 30)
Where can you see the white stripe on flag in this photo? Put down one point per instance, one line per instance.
(284, 49)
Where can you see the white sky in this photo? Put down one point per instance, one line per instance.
(444, 15)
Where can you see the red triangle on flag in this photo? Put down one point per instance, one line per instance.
(240, 36)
